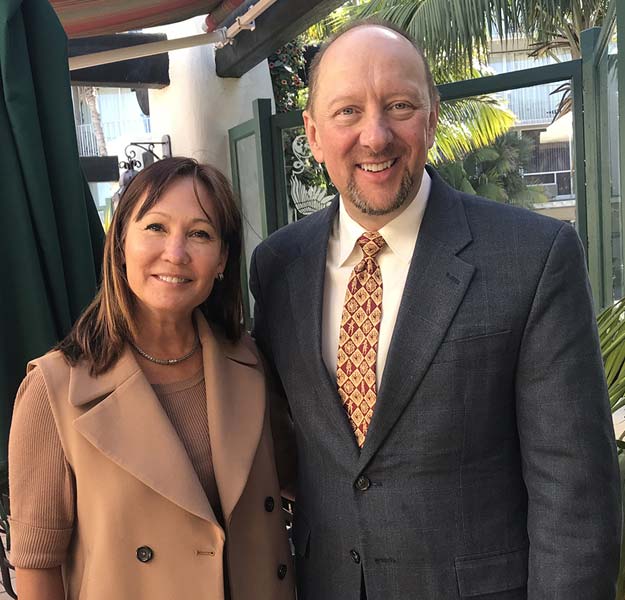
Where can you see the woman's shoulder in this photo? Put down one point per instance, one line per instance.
(55, 369)
(33, 395)
(53, 358)
(51, 365)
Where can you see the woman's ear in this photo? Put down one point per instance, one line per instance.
(223, 261)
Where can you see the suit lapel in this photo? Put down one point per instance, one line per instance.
(306, 277)
(130, 427)
(436, 284)
(235, 395)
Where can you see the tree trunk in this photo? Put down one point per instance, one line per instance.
(96, 121)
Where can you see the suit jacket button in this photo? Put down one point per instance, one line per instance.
(355, 556)
(282, 569)
(269, 504)
(363, 483)
(145, 554)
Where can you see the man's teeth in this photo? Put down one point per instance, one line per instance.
(375, 168)
(172, 279)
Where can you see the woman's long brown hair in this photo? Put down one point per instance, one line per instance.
(101, 332)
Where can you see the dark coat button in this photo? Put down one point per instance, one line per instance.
(269, 504)
(282, 569)
(145, 554)
(363, 483)
(355, 556)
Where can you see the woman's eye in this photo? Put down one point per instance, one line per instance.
(154, 227)
(200, 233)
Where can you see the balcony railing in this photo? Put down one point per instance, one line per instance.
(535, 105)
(87, 144)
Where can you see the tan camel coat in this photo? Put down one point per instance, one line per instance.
(144, 528)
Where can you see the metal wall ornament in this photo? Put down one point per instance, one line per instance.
(307, 199)
(132, 164)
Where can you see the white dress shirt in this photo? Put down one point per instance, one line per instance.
(394, 259)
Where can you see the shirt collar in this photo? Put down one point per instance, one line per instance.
(400, 234)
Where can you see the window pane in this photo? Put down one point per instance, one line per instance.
(307, 184)
(611, 149)
(251, 209)
(532, 165)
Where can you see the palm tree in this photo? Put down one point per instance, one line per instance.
(460, 32)
(457, 33)
(468, 124)
(495, 172)
(465, 124)
(88, 94)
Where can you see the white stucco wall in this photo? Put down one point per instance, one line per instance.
(198, 107)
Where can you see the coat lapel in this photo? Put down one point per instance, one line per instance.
(436, 284)
(235, 395)
(130, 427)
(306, 277)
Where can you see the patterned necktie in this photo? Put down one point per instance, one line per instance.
(358, 337)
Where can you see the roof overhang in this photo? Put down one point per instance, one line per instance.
(255, 29)
(278, 25)
(147, 72)
(83, 18)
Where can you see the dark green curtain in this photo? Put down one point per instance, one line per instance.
(50, 235)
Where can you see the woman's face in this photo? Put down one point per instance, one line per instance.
(174, 252)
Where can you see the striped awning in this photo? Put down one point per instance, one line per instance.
(82, 18)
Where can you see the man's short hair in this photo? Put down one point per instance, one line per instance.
(313, 72)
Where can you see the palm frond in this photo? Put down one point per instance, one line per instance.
(460, 31)
(457, 32)
(611, 323)
(469, 124)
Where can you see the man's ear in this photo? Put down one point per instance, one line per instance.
(313, 136)
(433, 122)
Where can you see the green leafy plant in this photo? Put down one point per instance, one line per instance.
(495, 172)
(611, 323)
(284, 67)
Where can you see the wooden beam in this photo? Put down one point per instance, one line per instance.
(278, 25)
(148, 72)
(100, 168)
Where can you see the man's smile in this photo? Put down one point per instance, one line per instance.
(377, 167)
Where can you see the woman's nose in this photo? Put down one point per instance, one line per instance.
(175, 250)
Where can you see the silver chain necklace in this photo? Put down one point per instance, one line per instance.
(167, 361)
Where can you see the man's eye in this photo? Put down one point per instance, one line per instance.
(154, 227)
(348, 111)
(401, 106)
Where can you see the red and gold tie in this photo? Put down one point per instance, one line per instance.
(358, 337)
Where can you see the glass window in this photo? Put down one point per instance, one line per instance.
(307, 184)
(611, 149)
(530, 166)
(251, 209)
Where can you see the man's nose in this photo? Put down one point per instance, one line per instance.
(175, 250)
(376, 133)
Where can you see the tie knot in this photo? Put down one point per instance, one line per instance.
(371, 243)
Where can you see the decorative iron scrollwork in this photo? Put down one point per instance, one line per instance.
(307, 199)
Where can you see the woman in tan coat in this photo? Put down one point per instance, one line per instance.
(141, 460)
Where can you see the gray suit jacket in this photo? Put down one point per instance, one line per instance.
(489, 470)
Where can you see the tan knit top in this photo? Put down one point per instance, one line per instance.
(41, 482)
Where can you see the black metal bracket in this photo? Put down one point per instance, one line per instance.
(132, 162)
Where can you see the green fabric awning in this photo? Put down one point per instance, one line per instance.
(50, 235)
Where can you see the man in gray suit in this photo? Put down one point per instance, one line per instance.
(440, 359)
